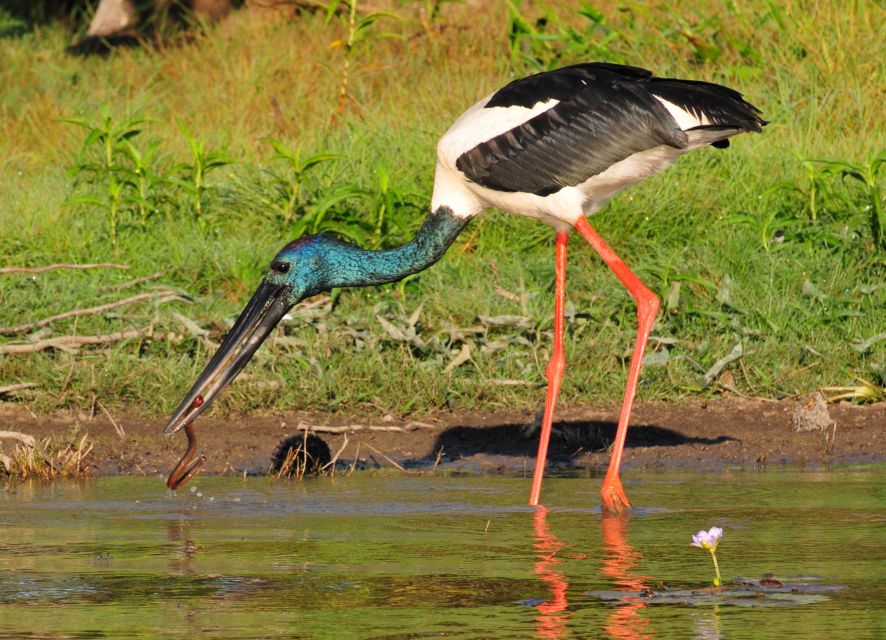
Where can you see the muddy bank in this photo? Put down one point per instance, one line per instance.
(710, 435)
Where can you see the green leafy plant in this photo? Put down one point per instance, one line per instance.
(359, 29)
(549, 41)
(391, 209)
(701, 36)
(289, 187)
(868, 174)
(145, 180)
(107, 141)
(193, 180)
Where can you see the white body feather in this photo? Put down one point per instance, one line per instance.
(563, 208)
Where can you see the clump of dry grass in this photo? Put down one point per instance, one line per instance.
(300, 455)
(59, 456)
(864, 392)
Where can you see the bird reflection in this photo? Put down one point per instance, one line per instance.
(619, 561)
(552, 614)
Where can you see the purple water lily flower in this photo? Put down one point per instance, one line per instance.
(707, 539)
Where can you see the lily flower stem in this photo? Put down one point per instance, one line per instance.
(717, 581)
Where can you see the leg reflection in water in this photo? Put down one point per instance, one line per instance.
(618, 563)
(552, 614)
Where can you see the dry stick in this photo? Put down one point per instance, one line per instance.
(132, 283)
(119, 429)
(332, 462)
(437, 459)
(12, 388)
(76, 313)
(73, 342)
(356, 457)
(25, 439)
(53, 267)
(351, 428)
(385, 457)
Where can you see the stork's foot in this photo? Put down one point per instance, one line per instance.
(614, 498)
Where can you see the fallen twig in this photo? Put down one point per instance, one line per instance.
(76, 313)
(117, 427)
(11, 389)
(736, 353)
(133, 283)
(72, 343)
(351, 428)
(437, 459)
(62, 265)
(331, 463)
(385, 457)
(356, 458)
(25, 439)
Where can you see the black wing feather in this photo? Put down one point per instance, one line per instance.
(605, 118)
(606, 113)
(721, 105)
(560, 84)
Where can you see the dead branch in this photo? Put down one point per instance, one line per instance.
(11, 389)
(117, 427)
(351, 428)
(334, 459)
(76, 313)
(73, 342)
(384, 456)
(132, 283)
(61, 265)
(24, 438)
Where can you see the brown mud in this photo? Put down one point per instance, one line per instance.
(726, 432)
(696, 435)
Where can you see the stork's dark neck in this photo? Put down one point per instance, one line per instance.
(351, 266)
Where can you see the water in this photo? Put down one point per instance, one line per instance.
(392, 556)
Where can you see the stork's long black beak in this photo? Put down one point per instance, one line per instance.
(267, 307)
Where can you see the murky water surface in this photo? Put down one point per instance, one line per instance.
(413, 557)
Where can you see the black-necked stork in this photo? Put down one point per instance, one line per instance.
(553, 146)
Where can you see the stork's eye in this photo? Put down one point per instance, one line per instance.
(279, 266)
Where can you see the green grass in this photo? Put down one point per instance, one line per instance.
(260, 91)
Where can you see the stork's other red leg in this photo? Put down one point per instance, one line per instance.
(555, 366)
(614, 498)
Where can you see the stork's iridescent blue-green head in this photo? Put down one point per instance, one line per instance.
(303, 268)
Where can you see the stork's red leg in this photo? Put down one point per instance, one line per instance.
(614, 498)
(555, 366)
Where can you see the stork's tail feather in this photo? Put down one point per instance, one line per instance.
(714, 105)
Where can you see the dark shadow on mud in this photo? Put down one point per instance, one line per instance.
(568, 439)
